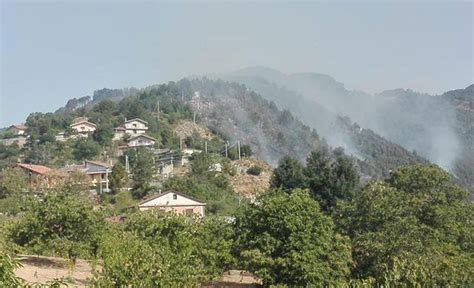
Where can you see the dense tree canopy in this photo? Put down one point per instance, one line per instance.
(418, 218)
(285, 239)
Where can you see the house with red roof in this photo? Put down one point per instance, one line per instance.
(19, 130)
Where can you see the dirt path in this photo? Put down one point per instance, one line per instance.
(40, 269)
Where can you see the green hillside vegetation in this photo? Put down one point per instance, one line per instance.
(412, 229)
(407, 125)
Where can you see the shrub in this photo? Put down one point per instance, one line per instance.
(254, 170)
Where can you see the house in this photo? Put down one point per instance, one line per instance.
(97, 171)
(173, 201)
(141, 140)
(132, 127)
(39, 176)
(34, 170)
(19, 130)
(83, 127)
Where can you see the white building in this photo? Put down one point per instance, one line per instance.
(19, 130)
(132, 127)
(141, 140)
(173, 201)
(83, 128)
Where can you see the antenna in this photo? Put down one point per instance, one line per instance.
(158, 108)
(238, 148)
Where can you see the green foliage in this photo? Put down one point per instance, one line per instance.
(288, 175)
(143, 170)
(59, 223)
(8, 264)
(254, 170)
(104, 134)
(85, 148)
(216, 192)
(285, 239)
(331, 178)
(118, 178)
(9, 155)
(416, 226)
(156, 249)
(13, 181)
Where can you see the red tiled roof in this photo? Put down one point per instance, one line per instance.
(19, 127)
(38, 169)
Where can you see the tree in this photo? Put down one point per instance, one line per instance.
(104, 133)
(8, 264)
(118, 178)
(284, 239)
(415, 227)
(165, 250)
(288, 175)
(61, 222)
(12, 182)
(331, 177)
(86, 149)
(142, 173)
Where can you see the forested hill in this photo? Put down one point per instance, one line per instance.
(438, 128)
(240, 114)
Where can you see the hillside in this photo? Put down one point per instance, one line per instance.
(231, 112)
(438, 128)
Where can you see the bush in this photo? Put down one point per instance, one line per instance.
(254, 170)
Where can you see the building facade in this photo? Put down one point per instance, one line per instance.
(176, 202)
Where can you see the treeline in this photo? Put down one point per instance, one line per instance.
(317, 226)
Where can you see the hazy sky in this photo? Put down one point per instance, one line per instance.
(52, 51)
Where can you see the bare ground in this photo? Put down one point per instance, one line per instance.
(40, 269)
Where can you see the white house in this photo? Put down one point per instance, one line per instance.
(141, 140)
(19, 130)
(173, 201)
(83, 128)
(132, 127)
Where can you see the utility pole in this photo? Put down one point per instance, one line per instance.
(172, 166)
(158, 108)
(107, 180)
(226, 149)
(127, 165)
(194, 117)
(205, 146)
(238, 148)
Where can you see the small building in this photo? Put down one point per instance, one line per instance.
(39, 176)
(34, 170)
(19, 130)
(131, 127)
(97, 171)
(176, 202)
(83, 128)
(141, 140)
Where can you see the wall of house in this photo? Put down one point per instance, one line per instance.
(83, 128)
(135, 125)
(141, 142)
(180, 210)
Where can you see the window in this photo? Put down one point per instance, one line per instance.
(189, 212)
(175, 196)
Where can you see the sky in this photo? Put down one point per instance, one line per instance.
(56, 50)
